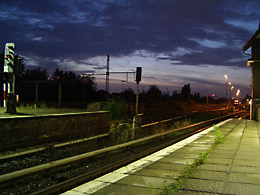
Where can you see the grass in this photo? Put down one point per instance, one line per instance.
(185, 174)
(202, 156)
(218, 135)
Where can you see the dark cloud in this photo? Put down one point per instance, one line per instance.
(81, 29)
(214, 56)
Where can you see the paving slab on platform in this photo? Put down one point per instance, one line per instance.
(203, 185)
(244, 178)
(161, 173)
(117, 189)
(241, 188)
(235, 163)
(208, 175)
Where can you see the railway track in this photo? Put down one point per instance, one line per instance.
(43, 141)
(80, 135)
(35, 146)
(10, 155)
(56, 168)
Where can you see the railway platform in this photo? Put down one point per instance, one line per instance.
(232, 167)
(33, 111)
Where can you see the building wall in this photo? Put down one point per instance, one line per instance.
(256, 89)
(256, 80)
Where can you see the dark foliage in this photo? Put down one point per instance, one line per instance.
(34, 86)
(185, 93)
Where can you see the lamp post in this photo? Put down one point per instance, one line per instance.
(251, 106)
(231, 87)
(238, 92)
(226, 85)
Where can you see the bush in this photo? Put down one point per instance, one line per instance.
(117, 109)
(121, 133)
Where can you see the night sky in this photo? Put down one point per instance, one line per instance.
(175, 41)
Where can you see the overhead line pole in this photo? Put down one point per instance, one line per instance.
(107, 75)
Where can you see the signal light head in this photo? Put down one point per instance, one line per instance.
(9, 57)
(11, 47)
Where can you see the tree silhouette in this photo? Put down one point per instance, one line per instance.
(74, 87)
(128, 95)
(152, 95)
(27, 85)
(36, 74)
(185, 93)
(2, 61)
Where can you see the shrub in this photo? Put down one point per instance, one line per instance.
(117, 109)
(121, 133)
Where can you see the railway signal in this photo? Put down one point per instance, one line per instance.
(136, 119)
(9, 78)
(138, 79)
(9, 57)
(138, 74)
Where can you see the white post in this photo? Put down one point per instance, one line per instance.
(4, 93)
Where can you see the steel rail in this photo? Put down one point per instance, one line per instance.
(39, 149)
(53, 164)
(76, 181)
(66, 185)
(58, 138)
(37, 141)
(18, 154)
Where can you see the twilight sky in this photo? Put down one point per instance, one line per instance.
(176, 42)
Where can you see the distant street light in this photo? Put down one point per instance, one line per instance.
(238, 92)
(231, 87)
(225, 76)
(226, 85)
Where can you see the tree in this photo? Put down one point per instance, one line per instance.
(36, 74)
(185, 93)
(2, 61)
(37, 83)
(128, 95)
(154, 93)
(75, 87)
(28, 87)
(89, 87)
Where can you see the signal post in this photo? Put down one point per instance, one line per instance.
(138, 74)
(12, 65)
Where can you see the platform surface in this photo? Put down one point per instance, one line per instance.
(34, 111)
(233, 167)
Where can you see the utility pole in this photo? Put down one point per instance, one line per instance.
(107, 75)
